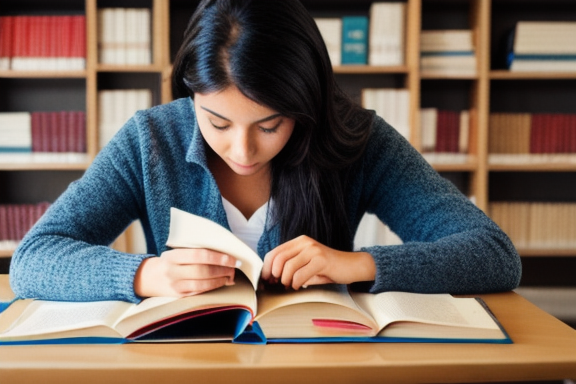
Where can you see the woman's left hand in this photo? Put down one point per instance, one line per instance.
(304, 261)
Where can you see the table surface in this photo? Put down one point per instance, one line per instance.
(544, 348)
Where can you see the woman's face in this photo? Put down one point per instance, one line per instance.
(245, 134)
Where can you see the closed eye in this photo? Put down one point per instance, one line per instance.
(271, 130)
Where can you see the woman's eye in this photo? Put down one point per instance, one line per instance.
(220, 127)
(272, 129)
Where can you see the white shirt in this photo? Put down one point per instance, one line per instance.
(248, 230)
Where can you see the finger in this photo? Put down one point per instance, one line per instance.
(317, 280)
(194, 287)
(200, 256)
(199, 272)
(298, 265)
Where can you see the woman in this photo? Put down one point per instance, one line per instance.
(265, 135)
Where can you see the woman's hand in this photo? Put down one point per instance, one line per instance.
(184, 272)
(304, 261)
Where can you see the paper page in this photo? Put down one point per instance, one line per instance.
(54, 316)
(441, 309)
(191, 231)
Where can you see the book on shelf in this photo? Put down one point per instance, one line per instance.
(537, 225)
(393, 105)
(245, 314)
(531, 134)
(115, 107)
(43, 42)
(50, 132)
(355, 40)
(387, 33)
(124, 36)
(447, 52)
(542, 46)
(331, 30)
(15, 132)
(444, 131)
(16, 220)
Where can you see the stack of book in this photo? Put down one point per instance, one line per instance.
(116, 107)
(542, 46)
(530, 137)
(15, 132)
(57, 131)
(42, 43)
(124, 36)
(447, 52)
(375, 40)
(445, 134)
(16, 220)
(391, 104)
(537, 225)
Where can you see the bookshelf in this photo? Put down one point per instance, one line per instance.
(491, 89)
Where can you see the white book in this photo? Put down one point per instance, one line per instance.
(387, 33)
(331, 30)
(457, 40)
(539, 37)
(106, 35)
(144, 36)
(15, 131)
(428, 121)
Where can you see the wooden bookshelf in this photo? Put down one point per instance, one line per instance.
(477, 93)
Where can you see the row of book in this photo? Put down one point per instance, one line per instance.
(447, 52)
(377, 39)
(55, 131)
(116, 107)
(16, 220)
(532, 133)
(542, 46)
(124, 36)
(537, 225)
(46, 42)
(444, 131)
(391, 104)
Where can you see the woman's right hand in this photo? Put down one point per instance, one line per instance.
(184, 272)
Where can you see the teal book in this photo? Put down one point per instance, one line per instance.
(354, 40)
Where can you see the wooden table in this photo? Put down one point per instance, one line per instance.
(544, 349)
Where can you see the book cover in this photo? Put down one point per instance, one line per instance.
(355, 40)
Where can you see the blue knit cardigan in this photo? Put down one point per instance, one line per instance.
(158, 161)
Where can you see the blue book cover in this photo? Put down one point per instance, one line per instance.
(354, 40)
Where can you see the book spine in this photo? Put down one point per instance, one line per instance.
(354, 40)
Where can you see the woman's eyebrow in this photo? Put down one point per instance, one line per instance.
(271, 117)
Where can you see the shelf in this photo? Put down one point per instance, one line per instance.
(532, 163)
(6, 253)
(44, 161)
(507, 75)
(547, 252)
(369, 69)
(41, 74)
(438, 76)
(131, 68)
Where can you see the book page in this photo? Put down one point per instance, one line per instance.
(43, 317)
(191, 231)
(440, 309)
(157, 308)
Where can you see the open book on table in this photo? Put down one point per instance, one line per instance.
(244, 313)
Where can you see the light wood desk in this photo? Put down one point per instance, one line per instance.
(544, 349)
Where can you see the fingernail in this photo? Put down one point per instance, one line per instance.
(230, 283)
(238, 264)
(304, 286)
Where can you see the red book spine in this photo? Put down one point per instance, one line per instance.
(6, 39)
(453, 120)
(62, 131)
(44, 131)
(18, 36)
(572, 132)
(53, 130)
(53, 37)
(36, 133)
(44, 50)
(81, 124)
(78, 37)
(536, 131)
(442, 132)
(71, 131)
(3, 222)
(12, 222)
(34, 39)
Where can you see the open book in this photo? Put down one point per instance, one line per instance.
(244, 313)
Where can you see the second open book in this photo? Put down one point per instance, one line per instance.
(242, 313)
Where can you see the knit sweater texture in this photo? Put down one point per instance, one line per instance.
(158, 160)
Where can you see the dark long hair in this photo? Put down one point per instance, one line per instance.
(273, 52)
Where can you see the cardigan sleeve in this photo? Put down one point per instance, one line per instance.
(66, 255)
(449, 245)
